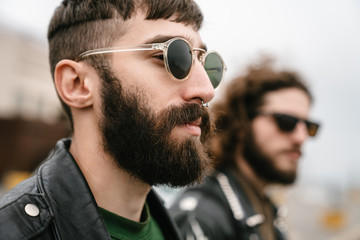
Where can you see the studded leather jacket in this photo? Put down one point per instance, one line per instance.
(219, 209)
(56, 203)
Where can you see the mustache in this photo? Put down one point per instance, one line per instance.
(294, 148)
(183, 114)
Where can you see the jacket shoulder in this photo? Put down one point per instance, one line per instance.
(24, 213)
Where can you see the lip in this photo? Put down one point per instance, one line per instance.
(295, 155)
(195, 123)
(193, 128)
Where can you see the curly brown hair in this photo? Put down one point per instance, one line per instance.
(242, 98)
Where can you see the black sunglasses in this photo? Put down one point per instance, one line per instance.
(287, 123)
(179, 58)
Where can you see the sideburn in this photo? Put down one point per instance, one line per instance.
(263, 165)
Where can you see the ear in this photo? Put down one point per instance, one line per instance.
(72, 83)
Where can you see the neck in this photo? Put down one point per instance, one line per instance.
(113, 188)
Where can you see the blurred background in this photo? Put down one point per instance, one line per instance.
(318, 39)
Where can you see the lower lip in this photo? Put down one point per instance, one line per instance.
(192, 129)
(294, 155)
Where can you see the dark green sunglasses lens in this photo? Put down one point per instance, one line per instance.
(214, 68)
(179, 59)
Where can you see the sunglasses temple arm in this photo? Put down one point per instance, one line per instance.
(144, 47)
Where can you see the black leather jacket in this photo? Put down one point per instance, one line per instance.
(56, 203)
(218, 209)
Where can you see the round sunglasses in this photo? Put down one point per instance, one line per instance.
(287, 123)
(179, 58)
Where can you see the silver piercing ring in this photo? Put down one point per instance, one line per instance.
(204, 104)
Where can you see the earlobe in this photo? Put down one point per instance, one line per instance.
(72, 85)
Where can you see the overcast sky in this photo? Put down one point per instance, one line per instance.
(319, 39)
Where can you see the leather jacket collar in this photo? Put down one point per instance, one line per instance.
(71, 201)
(67, 207)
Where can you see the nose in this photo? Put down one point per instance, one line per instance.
(198, 85)
(300, 133)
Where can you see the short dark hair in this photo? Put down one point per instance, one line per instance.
(240, 104)
(81, 25)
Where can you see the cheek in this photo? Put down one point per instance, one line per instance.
(152, 91)
(266, 138)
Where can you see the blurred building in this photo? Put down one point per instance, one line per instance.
(30, 113)
(26, 87)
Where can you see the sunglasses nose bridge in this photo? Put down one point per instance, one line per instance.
(199, 54)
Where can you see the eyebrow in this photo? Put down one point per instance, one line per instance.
(164, 38)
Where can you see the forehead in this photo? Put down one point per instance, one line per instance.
(289, 100)
(139, 30)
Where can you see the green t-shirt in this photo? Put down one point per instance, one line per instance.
(125, 229)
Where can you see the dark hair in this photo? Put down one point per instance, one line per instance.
(81, 25)
(240, 103)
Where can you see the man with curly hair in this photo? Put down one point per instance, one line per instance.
(261, 124)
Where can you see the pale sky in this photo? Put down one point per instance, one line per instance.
(319, 39)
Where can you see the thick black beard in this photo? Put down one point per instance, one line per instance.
(263, 165)
(140, 141)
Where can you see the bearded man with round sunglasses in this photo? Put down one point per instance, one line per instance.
(261, 125)
(134, 78)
